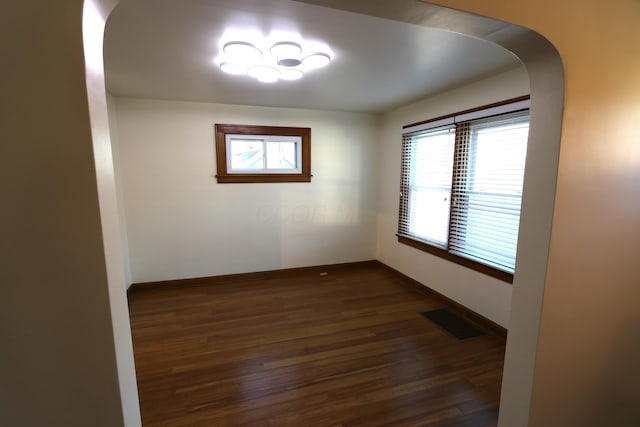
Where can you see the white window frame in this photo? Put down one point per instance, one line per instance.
(297, 140)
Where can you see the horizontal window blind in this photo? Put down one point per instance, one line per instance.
(487, 190)
(461, 186)
(426, 181)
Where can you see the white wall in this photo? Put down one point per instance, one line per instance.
(124, 240)
(483, 294)
(63, 361)
(93, 17)
(181, 223)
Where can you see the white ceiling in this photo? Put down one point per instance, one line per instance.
(165, 49)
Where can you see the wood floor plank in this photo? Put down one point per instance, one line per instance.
(345, 349)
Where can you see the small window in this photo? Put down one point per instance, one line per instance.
(461, 186)
(263, 154)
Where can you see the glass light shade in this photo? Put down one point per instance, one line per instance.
(316, 60)
(264, 73)
(242, 51)
(233, 68)
(286, 49)
(291, 74)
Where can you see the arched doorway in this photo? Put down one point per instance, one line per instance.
(545, 72)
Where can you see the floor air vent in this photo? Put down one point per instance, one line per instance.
(453, 324)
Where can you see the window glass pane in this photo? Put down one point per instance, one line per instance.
(281, 155)
(498, 157)
(430, 185)
(486, 227)
(247, 154)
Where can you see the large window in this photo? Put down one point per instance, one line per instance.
(461, 186)
(263, 154)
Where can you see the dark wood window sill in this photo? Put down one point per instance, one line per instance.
(465, 262)
(247, 178)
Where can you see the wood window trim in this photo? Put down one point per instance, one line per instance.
(470, 110)
(224, 177)
(465, 262)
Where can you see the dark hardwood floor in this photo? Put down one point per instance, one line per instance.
(345, 349)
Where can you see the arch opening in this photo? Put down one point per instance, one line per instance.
(544, 68)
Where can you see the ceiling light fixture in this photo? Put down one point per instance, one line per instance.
(316, 60)
(282, 60)
(291, 74)
(242, 50)
(233, 68)
(289, 62)
(286, 49)
(264, 73)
